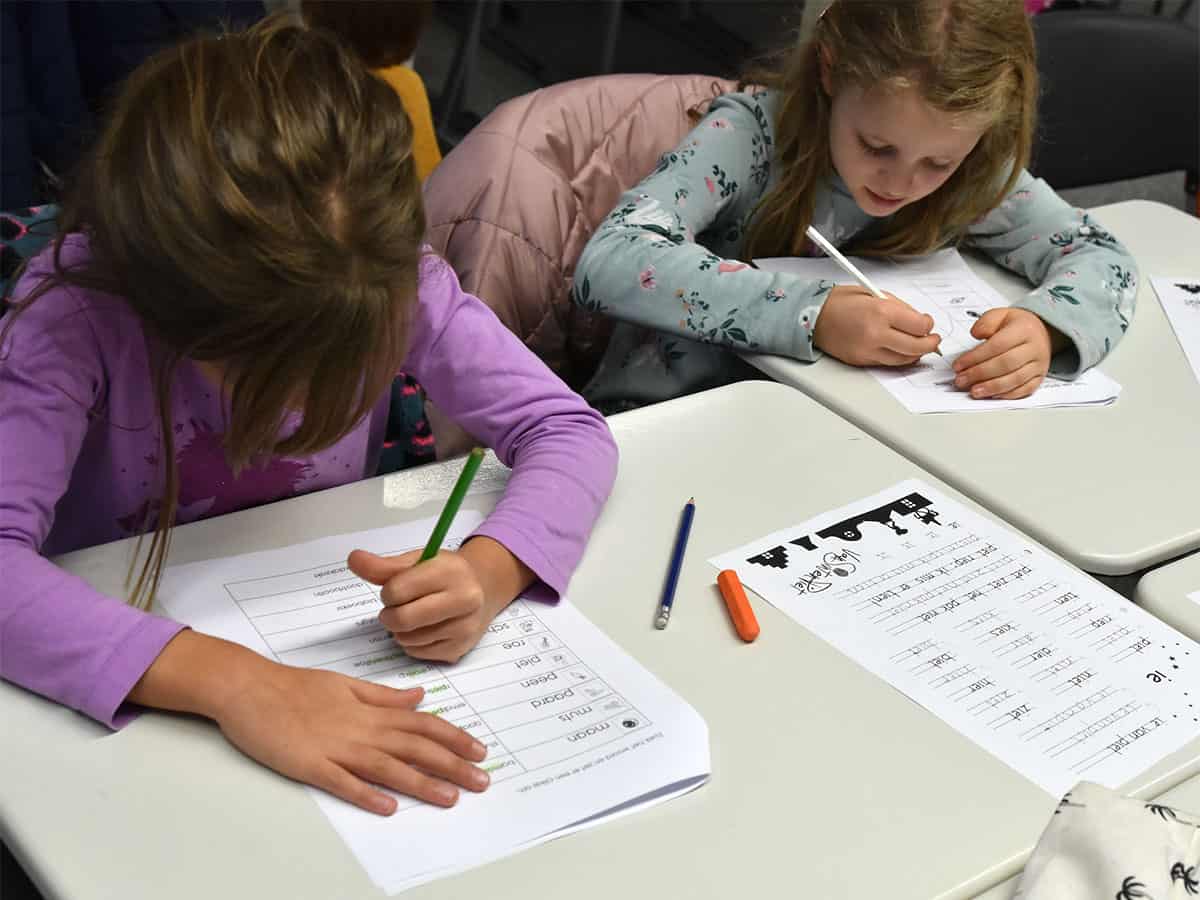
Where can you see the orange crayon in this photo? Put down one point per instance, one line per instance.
(738, 605)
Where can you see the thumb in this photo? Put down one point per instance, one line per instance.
(989, 323)
(378, 569)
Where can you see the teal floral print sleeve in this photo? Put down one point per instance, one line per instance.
(1086, 281)
(665, 258)
(669, 265)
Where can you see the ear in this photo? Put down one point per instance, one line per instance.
(825, 64)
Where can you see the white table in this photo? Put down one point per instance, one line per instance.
(1164, 591)
(1113, 489)
(805, 799)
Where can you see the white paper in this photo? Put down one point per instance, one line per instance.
(943, 286)
(1180, 299)
(1043, 667)
(1194, 596)
(577, 731)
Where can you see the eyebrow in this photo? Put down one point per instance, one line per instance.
(874, 139)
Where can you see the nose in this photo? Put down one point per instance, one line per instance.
(897, 181)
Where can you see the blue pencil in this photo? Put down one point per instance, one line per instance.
(668, 594)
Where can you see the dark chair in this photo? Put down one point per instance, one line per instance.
(1119, 100)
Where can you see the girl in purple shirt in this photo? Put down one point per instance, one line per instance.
(240, 274)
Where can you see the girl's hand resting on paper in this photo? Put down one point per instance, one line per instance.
(345, 736)
(439, 610)
(323, 728)
(860, 329)
(1013, 359)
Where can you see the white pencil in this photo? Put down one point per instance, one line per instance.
(851, 269)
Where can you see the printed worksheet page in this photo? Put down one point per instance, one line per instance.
(1180, 299)
(1040, 665)
(943, 286)
(576, 729)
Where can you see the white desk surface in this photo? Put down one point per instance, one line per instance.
(823, 776)
(1112, 489)
(1164, 591)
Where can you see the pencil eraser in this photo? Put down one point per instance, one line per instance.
(737, 604)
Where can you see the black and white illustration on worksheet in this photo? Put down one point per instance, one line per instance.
(1180, 299)
(1045, 668)
(944, 287)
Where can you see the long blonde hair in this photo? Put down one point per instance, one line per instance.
(964, 57)
(254, 200)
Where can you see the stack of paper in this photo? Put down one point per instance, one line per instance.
(943, 286)
(577, 731)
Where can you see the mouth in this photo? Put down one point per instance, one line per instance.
(881, 200)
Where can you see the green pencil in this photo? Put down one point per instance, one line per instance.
(453, 502)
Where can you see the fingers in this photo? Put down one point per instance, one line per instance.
(423, 637)
(995, 367)
(885, 357)
(378, 569)
(1023, 391)
(994, 346)
(381, 768)
(903, 317)
(909, 346)
(335, 780)
(437, 729)
(448, 572)
(448, 651)
(990, 322)
(418, 755)
(391, 762)
(432, 759)
(430, 611)
(1012, 383)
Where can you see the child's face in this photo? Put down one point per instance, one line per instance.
(892, 148)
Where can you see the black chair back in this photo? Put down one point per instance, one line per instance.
(1120, 97)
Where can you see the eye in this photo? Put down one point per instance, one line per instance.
(883, 150)
(937, 166)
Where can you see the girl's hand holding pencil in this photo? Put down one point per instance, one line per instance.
(892, 334)
(439, 610)
(860, 329)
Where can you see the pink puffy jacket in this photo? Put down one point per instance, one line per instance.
(514, 204)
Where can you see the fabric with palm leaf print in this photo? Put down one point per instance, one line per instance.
(1100, 845)
(668, 264)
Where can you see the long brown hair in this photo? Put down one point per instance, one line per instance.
(253, 198)
(965, 57)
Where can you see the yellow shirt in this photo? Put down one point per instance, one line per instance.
(408, 84)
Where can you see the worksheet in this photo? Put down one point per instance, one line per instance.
(1059, 677)
(576, 730)
(943, 286)
(1180, 299)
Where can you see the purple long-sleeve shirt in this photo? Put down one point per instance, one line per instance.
(79, 466)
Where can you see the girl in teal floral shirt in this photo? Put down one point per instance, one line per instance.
(896, 129)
